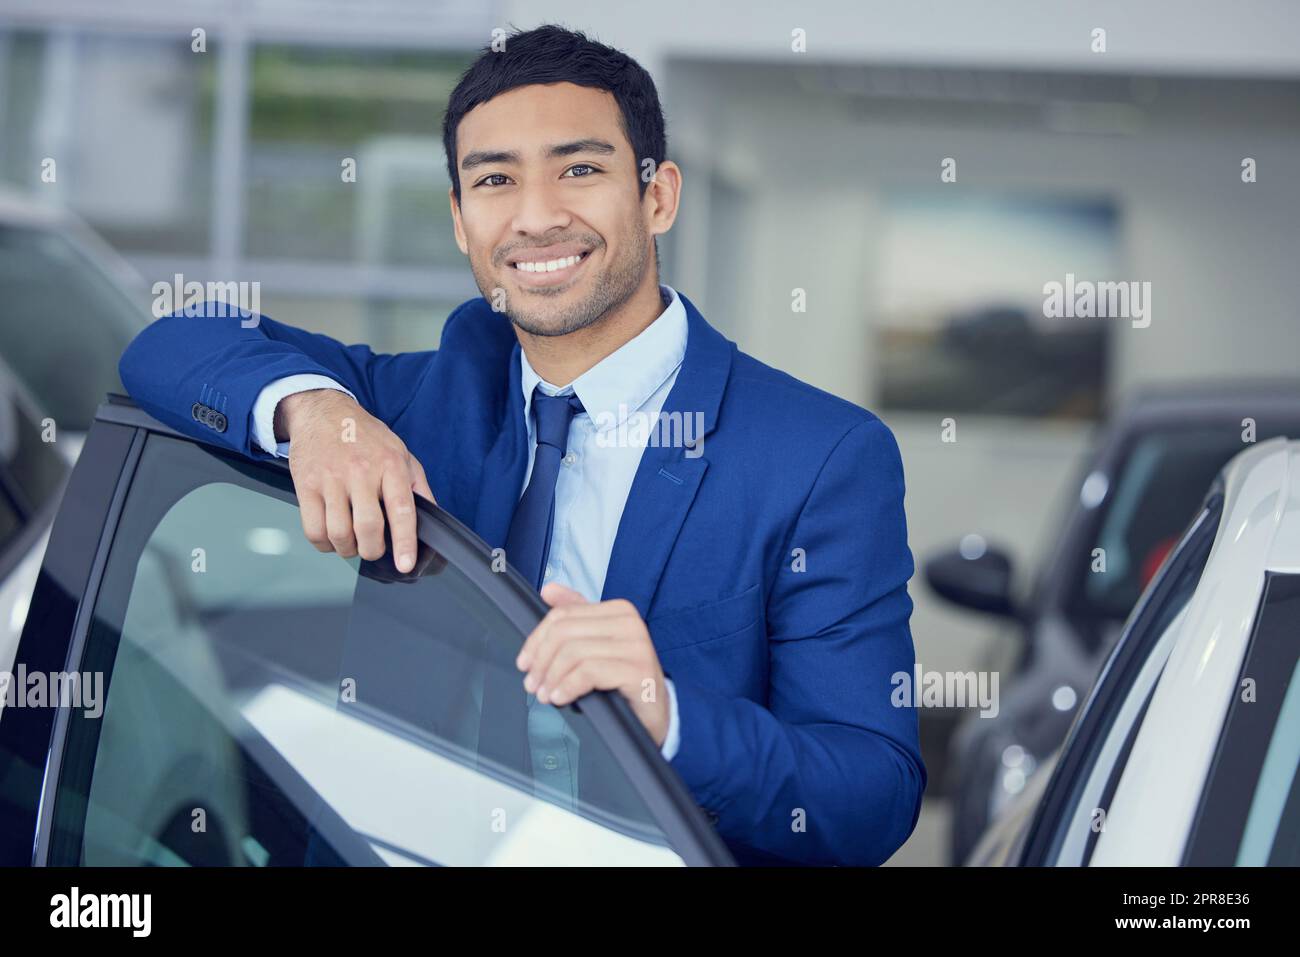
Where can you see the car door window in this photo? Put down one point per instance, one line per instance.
(1250, 809)
(1162, 480)
(268, 704)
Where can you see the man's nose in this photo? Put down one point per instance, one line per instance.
(540, 210)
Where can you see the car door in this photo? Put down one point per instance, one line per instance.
(1249, 812)
(1068, 819)
(231, 696)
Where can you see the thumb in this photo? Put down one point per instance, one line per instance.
(555, 595)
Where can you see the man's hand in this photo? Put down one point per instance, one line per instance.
(580, 647)
(340, 484)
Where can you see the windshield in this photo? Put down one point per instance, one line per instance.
(1161, 480)
(63, 323)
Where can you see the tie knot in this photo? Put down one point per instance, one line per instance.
(553, 414)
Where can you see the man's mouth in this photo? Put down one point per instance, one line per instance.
(549, 265)
(549, 270)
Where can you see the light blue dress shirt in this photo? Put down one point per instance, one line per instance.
(591, 490)
(590, 493)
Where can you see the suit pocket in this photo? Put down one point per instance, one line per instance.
(679, 627)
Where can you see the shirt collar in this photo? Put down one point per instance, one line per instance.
(623, 381)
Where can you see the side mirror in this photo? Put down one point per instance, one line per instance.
(975, 576)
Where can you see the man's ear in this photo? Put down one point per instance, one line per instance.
(457, 227)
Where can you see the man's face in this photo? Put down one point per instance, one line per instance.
(548, 175)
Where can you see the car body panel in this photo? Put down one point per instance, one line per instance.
(1157, 745)
(1060, 657)
(1159, 790)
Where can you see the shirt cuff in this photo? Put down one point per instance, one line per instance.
(269, 398)
(674, 737)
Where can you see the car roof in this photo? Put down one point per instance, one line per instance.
(19, 209)
(1259, 532)
(1262, 488)
(1191, 402)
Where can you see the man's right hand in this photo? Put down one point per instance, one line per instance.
(341, 484)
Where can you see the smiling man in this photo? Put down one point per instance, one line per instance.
(743, 585)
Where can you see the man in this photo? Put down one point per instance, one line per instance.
(750, 574)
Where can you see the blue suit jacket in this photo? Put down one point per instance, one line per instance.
(771, 571)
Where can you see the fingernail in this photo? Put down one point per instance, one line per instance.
(542, 695)
(530, 682)
(405, 561)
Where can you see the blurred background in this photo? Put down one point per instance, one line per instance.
(817, 171)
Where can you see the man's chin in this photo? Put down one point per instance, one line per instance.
(548, 326)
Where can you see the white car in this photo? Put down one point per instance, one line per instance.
(1186, 752)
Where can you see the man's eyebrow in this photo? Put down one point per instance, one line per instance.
(487, 157)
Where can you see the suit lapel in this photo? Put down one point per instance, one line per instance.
(667, 479)
(505, 466)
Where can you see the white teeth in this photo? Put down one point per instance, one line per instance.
(550, 265)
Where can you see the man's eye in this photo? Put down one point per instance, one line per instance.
(585, 166)
(485, 180)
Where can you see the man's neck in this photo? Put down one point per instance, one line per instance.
(561, 359)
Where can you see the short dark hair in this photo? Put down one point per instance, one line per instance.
(554, 54)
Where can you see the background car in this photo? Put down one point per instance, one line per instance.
(32, 476)
(1137, 492)
(1187, 750)
(69, 306)
(271, 705)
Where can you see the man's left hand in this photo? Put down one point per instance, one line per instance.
(581, 646)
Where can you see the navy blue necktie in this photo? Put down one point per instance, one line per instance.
(529, 541)
(503, 733)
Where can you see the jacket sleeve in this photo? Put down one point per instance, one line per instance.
(830, 772)
(224, 362)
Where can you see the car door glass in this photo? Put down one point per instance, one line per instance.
(1160, 486)
(1271, 835)
(269, 704)
(1249, 814)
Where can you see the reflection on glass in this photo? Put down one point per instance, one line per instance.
(65, 323)
(272, 705)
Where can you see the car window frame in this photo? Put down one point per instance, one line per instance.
(98, 492)
(1218, 824)
(1094, 723)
